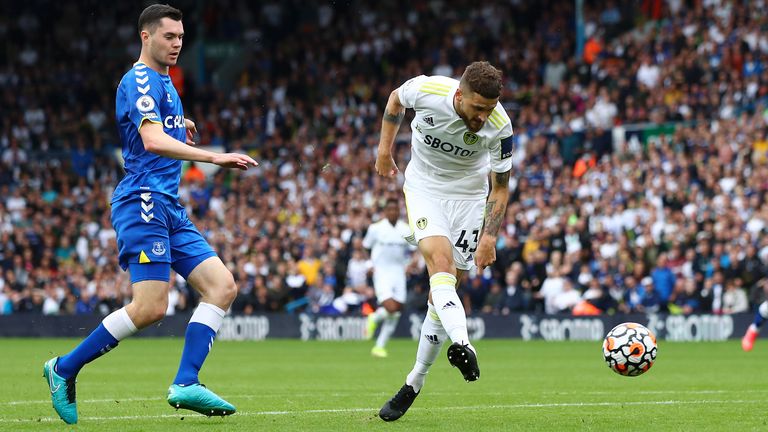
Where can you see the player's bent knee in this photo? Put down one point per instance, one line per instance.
(442, 264)
(230, 291)
(145, 315)
(157, 313)
(225, 292)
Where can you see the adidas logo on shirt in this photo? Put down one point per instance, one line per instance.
(449, 305)
(433, 339)
(429, 120)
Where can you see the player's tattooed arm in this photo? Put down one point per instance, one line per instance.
(494, 215)
(501, 179)
(395, 118)
(394, 111)
(490, 226)
(393, 115)
(496, 206)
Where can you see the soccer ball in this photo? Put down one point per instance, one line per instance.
(629, 349)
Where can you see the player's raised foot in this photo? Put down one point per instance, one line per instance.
(370, 329)
(379, 352)
(748, 341)
(62, 392)
(462, 357)
(399, 404)
(197, 397)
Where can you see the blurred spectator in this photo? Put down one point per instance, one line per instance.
(552, 287)
(494, 301)
(684, 298)
(309, 266)
(715, 289)
(565, 300)
(193, 174)
(86, 304)
(663, 278)
(735, 298)
(592, 49)
(651, 301)
(598, 296)
(648, 74)
(417, 298)
(519, 297)
(358, 269)
(475, 292)
(6, 304)
(295, 281)
(321, 300)
(81, 158)
(633, 296)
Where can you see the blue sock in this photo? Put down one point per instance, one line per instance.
(98, 343)
(197, 344)
(758, 319)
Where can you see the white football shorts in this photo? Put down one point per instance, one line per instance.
(389, 283)
(459, 220)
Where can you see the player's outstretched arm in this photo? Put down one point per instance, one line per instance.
(495, 208)
(390, 123)
(158, 142)
(191, 131)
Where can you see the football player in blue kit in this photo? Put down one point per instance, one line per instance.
(154, 234)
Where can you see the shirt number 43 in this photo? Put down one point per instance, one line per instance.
(463, 241)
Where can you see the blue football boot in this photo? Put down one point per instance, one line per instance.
(62, 392)
(197, 397)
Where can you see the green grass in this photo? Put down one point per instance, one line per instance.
(337, 386)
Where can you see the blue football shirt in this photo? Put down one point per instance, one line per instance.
(145, 95)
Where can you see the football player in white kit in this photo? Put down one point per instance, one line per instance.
(389, 253)
(460, 133)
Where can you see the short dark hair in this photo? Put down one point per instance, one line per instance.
(392, 200)
(151, 16)
(481, 77)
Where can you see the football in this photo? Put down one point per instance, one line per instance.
(630, 349)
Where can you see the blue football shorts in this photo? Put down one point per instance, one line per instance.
(154, 235)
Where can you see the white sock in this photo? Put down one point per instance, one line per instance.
(208, 314)
(379, 315)
(430, 342)
(387, 329)
(449, 307)
(119, 324)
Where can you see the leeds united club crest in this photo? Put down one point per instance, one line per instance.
(421, 223)
(470, 138)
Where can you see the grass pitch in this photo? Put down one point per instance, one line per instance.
(337, 386)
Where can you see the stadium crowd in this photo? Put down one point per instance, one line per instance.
(596, 223)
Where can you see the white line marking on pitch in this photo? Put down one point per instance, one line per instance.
(373, 410)
(342, 394)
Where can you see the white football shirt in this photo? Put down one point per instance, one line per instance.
(449, 161)
(387, 244)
